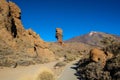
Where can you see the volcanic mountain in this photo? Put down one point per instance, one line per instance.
(94, 38)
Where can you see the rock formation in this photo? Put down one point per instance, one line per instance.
(59, 35)
(89, 70)
(13, 36)
(98, 55)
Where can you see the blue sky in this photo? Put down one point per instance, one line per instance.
(75, 17)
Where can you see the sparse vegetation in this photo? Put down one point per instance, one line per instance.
(20, 47)
(111, 45)
(113, 48)
(88, 70)
(60, 64)
(70, 57)
(108, 40)
(58, 50)
(68, 52)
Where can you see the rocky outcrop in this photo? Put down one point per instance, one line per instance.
(15, 13)
(98, 55)
(59, 35)
(21, 42)
(89, 70)
(10, 18)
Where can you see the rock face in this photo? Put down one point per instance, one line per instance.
(13, 36)
(59, 35)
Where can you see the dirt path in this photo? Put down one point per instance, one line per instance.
(69, 72)
(22, 72)
(30, 72)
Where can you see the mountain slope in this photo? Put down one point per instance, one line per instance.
(93, 38)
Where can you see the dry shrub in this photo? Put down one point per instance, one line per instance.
(60, 64)
(42, 74)
(45, 74)
(70, 57)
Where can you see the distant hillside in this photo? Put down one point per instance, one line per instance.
(93, 38)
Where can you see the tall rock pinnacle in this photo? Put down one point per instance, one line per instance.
(59, 35)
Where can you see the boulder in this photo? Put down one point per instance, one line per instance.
(98, 55)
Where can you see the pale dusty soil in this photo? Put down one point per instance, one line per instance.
(31, 72)
(68, 73)
(23, 72)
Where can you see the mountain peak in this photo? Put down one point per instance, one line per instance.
(93, 38)
(92, 33)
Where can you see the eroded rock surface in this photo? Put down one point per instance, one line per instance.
(98, 55)
(23, 45)
(59, 35)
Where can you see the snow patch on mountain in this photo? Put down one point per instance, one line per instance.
(92, 33)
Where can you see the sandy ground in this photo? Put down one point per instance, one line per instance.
(23, 72)
(31, 72)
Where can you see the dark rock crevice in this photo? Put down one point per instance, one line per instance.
(13, 29)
